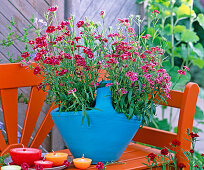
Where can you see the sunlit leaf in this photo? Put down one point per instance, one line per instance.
(189, 36)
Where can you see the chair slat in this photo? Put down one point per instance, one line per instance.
(3, 144)
(14, 75)
(44, 129)
(186, 117)
(9, 101)
(34, 107)
(155, 137)
(175, 100)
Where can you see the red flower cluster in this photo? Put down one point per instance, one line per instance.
(152, 156)
(99, 166)
(196, 166)
(36, 70)
(102, 13)
(52, 9)
(181, 72)
(133, 76)
(25, 55)
(80, 61)
(156, 11)
(50, 29)
(191, 151)
(40, 42)
(175, 142)
(67, 163)
(88, 52)
(181, 165)
(164, 151)
(38, 56)
(72, 91)
(25, 166)
(80, 24)
(193, 135)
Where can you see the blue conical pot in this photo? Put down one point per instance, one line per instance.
(107, 136)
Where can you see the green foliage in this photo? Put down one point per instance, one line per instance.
(160, 124)
(13, 38)
(189, 36)
(200, 19)
(199, 115)
(176, 25)
(2, 158)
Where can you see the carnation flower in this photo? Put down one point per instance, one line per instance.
(175, 142)
(181, 72)
(109, 84)
(50, 29)
(151, 156)
(36, 70)
(185, 67)
(24, 166)
(164, 151)
(52, 9)
(67, 163)
(194, 135)
(191, 151)
(156, 11)
(102, 13)
(123, 91)
(80, 24)
(181, 165)
(25, 55)
(99, 166)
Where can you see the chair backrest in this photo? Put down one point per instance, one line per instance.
(186, 102)
(12, 77)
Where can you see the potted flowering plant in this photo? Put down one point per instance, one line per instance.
(71, 59)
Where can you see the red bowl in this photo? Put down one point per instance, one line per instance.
(25, 155)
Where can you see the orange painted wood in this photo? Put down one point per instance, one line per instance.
(44, 129)
(133, 158)
(175, 100)
(187, 116)
(7, 149)
(33, 110)
(9, 101)
(14, 75)
(3, 144)
(154, 137)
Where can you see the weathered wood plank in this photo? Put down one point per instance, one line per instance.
(84, 5)
(25, 9)
(3, 58)
(21, 22)
(40, 6)
(93, 9)
(49, 2)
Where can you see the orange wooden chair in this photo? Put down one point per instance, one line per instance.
(13, 76)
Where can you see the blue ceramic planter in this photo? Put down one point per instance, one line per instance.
(105, 139)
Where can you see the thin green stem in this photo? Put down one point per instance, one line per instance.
(190, 28)
(172, 34)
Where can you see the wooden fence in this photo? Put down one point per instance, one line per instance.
(22, 11)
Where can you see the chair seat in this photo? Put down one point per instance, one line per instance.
(132, 158)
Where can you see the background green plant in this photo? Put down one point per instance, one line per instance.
(185, 46)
